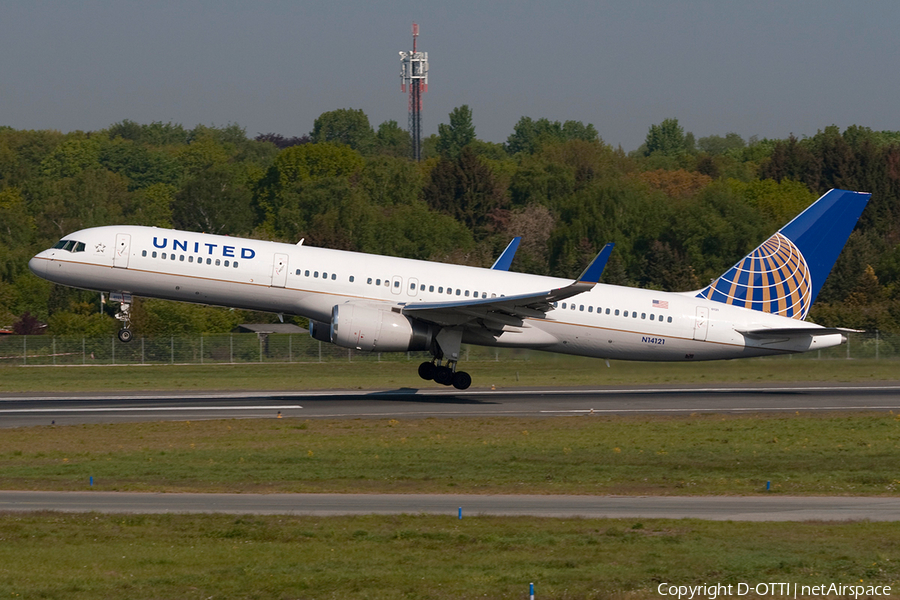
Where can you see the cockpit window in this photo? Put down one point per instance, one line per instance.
(69, 245)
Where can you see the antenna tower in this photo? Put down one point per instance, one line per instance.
(414, 74)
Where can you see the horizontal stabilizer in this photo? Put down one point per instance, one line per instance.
(786, 332)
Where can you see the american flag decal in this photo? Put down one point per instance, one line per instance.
(660, 304)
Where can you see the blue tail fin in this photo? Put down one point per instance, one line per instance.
(784, 275)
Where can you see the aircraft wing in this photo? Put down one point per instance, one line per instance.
(494, 313)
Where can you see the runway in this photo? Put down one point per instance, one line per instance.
(767, 508)
(70, 409)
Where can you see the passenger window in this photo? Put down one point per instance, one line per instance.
(643, 315)
(324, 275)
(422, 288)
(449, 290)
(412, 286)
(467, 293)
(226, 262)
(181, 259)
(564, 304)
(607, 311)
(164, 256)
(333, 277)
(298, 271)
(590, 309)
(351, 279)
(652, 316)
(493, 295)
(369, 281)
(396, 284)
(234, 265)
(190, 259)
(217, 262)
(430, 288)
(387, 283)
(209, 261)
(572, 307)
(617, 312)
(172, 256)
(153, 255)
(669, 320)
(634, 314)
(458, 291)
(306, 273)
(581, 308)
(144, 253)
(484, 294)
(316, 274)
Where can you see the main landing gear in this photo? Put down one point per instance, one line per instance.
(446, 343)
(445, 375)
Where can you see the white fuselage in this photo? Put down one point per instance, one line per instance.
(307, 281)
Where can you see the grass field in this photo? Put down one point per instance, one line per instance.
(839, 454)
(547, 370)
(95, 556)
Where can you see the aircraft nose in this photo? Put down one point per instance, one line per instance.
(38, 266)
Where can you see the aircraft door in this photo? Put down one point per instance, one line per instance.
(280, 270)
(412, 287)
(396, 285)
(701, 323)
(122, 251)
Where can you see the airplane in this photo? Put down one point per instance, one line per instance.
(383, 304)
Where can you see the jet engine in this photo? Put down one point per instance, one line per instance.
(377, 329)
(320, 331)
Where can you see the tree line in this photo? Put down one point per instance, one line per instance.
(681, 210)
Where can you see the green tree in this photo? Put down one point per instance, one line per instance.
(667, 139)
(529, 135)
(216, 200)
(344, 126)
(716, 144)
(466, 190)
(392, 140)
(459, 133)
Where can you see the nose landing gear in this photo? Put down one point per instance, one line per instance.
(125, 334)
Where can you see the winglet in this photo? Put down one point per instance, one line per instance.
(595, 269)
(505, 259)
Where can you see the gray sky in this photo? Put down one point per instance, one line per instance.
(756, 68)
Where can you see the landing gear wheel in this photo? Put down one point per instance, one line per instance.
(125, 335)
(461, 380)
(443, 375)
(426, 370)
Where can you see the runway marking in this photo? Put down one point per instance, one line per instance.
(146, 408)
(716, 409)
(452, 392)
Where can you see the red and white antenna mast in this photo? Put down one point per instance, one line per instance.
(414, 74)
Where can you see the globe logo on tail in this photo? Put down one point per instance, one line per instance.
(774, 278)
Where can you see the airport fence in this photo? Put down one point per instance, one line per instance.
(248, 348)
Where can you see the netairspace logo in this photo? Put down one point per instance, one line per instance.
(774, 589)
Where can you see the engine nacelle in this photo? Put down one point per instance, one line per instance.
(320, 331)
(377, 329)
